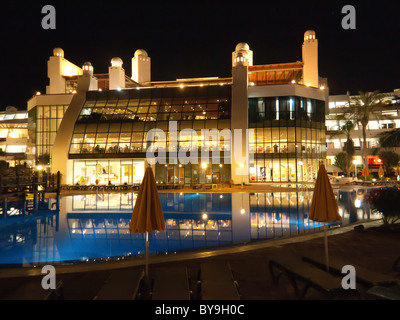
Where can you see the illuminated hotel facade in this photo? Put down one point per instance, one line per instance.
(93, 128)
(385, 118)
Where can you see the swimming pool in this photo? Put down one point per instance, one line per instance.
(96, 226)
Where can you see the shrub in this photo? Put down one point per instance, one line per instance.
(386, 202)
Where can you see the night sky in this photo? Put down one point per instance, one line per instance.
(196, 39)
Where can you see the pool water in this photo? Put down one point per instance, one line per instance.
(96, 226)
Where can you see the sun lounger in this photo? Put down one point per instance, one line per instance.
(122, 284)
(197, 186)
(207, 187)
(310, 276)
(217, 282)
(364, 276)
(383, 293)
(171, 284)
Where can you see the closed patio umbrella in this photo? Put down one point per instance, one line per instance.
(147, 213)
(324, 207)
(381, 173)
(365, 172)
(397, 172)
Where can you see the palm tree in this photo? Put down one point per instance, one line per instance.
(390, 139)
(390, 159)
(348, 148)
(340, 161)
(361, 109)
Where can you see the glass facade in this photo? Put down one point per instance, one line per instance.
(114, 125)
(193, 173)
(289, 138)
(43, 129)
(102, 172)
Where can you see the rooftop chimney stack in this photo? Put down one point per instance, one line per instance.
(57, 68)
(88, 72)
(141, 69)
(310, 60)
(116, 74)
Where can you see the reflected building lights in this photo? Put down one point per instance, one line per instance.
(98, 225)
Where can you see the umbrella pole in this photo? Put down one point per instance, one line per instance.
(147, 255)
(326, 247)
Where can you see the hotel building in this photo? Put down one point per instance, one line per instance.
(15, 145)
(385, 118)
(94, 128)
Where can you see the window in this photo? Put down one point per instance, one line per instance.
(388, 125)
(15, 149)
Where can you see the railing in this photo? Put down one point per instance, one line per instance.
(36, 182)
(111, 187)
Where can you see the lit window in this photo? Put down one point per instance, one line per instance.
(15, 149)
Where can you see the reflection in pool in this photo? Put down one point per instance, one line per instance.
(87, 227)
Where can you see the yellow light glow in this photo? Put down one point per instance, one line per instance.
(242, 165)
(322, 88)
(39, 167)
(181, 85)
(242, 211)
(38, 93)
(204, 165)
(293, 81)
(204, 216)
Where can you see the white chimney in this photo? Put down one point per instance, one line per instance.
(141, 66)
(116, 74)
